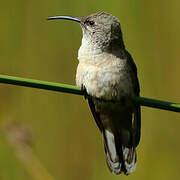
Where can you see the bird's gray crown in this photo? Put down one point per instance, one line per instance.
(101, 18)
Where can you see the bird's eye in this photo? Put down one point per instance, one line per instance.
(91, 23)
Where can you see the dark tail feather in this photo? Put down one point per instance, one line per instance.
(137, 125)
(118, 157)
(129, 157)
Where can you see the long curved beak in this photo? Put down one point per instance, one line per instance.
(76, 19)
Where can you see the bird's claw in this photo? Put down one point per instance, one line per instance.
(83, 88)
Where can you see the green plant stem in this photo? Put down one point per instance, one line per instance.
(40, 84)
(154, 103)
(76, 90)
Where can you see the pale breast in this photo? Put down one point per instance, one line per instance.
(107, 79)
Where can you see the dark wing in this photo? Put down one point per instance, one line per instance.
(96, 115)
(137, 111)
(119, 147)
(133, 67)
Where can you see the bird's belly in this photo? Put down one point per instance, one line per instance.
(104, 82)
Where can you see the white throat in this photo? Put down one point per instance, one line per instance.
(88, 51)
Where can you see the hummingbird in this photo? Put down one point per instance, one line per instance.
(108, 74)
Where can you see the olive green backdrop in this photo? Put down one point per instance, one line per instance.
(65, 137)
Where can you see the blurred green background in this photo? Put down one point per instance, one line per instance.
(65, 137)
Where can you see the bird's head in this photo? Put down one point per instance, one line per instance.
(100, 30)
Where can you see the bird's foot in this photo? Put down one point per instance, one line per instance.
(83, 88)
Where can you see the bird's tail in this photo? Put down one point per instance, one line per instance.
(119, 158)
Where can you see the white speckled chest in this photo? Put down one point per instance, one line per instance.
(106, 77)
